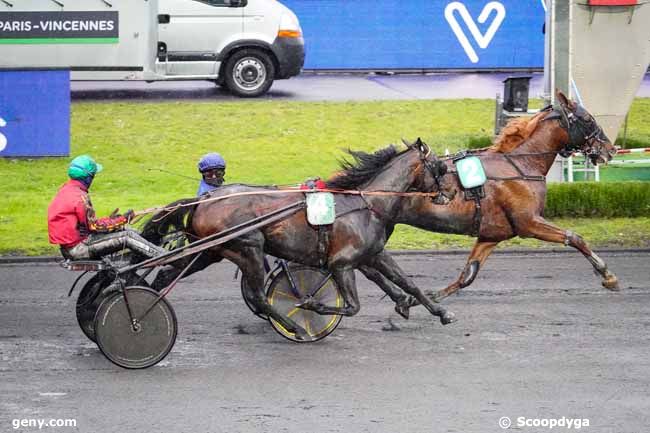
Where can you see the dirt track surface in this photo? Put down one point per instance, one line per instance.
(537, 337)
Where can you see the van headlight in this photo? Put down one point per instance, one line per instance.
(289, 26)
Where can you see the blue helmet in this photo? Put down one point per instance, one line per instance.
(211, 161)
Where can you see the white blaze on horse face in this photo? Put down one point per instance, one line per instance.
(3, 139)
(483, 40)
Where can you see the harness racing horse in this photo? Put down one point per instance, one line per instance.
(515, 190)
(356, 238)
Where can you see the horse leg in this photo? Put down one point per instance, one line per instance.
(402, 300)
(543, 230)
(476, 258)
(250, 260)
(346, 282)
(385, 264)
(168, 273)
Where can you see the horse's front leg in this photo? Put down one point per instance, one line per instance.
(402, 300)
(346, 282)
(385, 264)
(543, 230)
(476, 258)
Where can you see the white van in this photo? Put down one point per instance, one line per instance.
(243, 44)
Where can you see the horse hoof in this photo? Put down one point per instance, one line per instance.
(403, 309)
(302, 335)
(412, 302)
(611, 283)
(448, 318)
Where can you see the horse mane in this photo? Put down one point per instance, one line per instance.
(516, 132)
(362, 169)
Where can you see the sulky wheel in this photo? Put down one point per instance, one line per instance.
(90, 296)
(138, 344)
(283, 297)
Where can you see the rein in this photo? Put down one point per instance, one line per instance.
(571, 123)
(509, 157)
(287, 191)
(424, 159)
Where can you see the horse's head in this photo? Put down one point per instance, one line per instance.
(585, 135)
(433, 166)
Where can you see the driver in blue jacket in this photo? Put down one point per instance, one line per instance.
(213, 169)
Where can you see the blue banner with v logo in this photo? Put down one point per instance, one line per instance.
(421, 34)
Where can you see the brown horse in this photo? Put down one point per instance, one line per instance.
(515, 190)
(356, 238)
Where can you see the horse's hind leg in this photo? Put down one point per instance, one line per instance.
(401, 299)
(346, 282)
(543, 230)
(385, 264)
(169, 273)
(476, 258)
(250, 260)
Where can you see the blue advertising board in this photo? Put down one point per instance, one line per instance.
(421, 34)
(34, 113)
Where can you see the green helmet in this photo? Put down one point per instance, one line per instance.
(83, 166)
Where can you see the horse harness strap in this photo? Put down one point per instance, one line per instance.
(522, 175)
(476, 229)
(478, 193)
(323, 244)
(219, 237)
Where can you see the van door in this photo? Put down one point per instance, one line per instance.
(192, 32)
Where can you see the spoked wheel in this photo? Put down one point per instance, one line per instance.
(138, 344)
(90, 296)
(284, 297)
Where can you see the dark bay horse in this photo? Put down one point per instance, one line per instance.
(356, 238)
(515, 191)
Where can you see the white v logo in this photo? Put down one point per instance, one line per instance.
(482, 40)
(3, 139)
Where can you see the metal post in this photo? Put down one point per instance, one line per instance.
(625, 130)
(548, 26)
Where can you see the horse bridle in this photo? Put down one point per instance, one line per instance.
(583, 131)
(437, 170)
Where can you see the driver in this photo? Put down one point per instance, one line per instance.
(72, 224)
(213, 169)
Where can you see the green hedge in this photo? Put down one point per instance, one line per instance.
(590, 199)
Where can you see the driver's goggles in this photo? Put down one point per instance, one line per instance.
(214, 173)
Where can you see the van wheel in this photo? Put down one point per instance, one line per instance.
(249, 73)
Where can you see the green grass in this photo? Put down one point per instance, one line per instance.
(264, 142)
(598, 200)
(638, 126)
(614, 232)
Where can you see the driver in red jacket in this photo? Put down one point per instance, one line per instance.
(72, 224)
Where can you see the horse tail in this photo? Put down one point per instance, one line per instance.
(175, 219)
